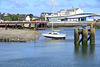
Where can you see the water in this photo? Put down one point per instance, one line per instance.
(46, 52)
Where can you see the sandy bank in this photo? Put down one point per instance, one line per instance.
(16, 35)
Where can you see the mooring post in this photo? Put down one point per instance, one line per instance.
(92, 36)
(13, 26)
(36, 26)
(41, 25)
(29, 26)
(44, 25)
(84, 36)
(76, 36)
(5, 27)
(34, 33)
(16, 26)
(22, 26)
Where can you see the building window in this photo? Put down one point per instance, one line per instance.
(89, 17)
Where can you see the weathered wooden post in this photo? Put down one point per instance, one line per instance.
(29, 26)
(84, 32)
(23, 26)
(41, 25)
(13, 26)
(44, 25)
(5, 27)
(16, 26)
(92, 36)
(76, 36)
(34, 33)
(35, 25)
(85, 36)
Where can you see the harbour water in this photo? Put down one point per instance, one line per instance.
(46, 52)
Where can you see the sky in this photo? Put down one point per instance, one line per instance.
(35, 7)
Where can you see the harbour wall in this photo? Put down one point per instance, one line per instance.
(71, 24)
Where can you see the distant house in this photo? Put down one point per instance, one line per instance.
(28, 18)
(35, 18)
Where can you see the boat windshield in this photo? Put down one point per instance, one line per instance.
(55, 33)
(49, 33)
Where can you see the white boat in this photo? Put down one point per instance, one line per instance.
(54, 34)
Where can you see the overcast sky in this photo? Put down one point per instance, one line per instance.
(37, 6)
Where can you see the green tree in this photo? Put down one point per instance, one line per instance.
(31, 15)
(7, 18)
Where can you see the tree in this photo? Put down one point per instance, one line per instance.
(7, 18)
(31, 15)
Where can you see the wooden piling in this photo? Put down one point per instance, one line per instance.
(23, 26)
(16, 26)
(35, 25)
(5, 27)
(13, 26)
(85, 36)
(41, 25)
(29, 26)
(92, 36)
(76, 36)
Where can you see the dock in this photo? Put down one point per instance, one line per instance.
(84, 35)
(23, 24)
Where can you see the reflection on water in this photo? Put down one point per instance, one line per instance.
(85, 50)
(51, 53)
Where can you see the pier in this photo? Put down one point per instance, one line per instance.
(85, 34)
(28, 24)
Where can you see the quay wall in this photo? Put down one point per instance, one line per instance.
(56, 25)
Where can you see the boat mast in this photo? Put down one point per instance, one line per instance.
(53, 13)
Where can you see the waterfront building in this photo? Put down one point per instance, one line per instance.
(66, 12)
(90, 17)
(74, 14)
(83, 17)
(28, 18)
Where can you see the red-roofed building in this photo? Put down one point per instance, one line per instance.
(35, 18)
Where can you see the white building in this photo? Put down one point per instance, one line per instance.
(28, 18)
(74, 14)
(63, 12)
(78, 17)
(83, 17)
(72, 11)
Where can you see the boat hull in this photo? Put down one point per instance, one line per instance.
(54, 36)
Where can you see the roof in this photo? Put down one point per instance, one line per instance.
(78, 16)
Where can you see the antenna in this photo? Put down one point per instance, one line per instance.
(53, 13)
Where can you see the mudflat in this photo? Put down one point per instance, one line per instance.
(17, 35)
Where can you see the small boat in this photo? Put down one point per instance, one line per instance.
(55, 35)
